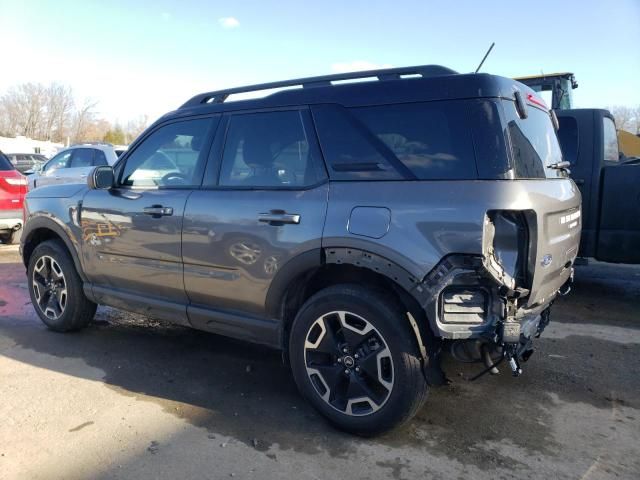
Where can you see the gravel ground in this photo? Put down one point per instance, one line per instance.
(131, 397)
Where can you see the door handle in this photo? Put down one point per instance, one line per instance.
(278, 217)
(157, 211)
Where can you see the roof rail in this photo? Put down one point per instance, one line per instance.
(106, 144)
(220, 96)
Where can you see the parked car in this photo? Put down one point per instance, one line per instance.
(73, 164)
(27, 161)
(13, 187)
(608, 182)
(360, 226)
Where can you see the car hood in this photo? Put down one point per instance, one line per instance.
(57, 191)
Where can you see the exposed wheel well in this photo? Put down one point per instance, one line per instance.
(35, 238)
(310, 282)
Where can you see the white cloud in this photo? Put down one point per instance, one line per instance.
(357, 66)
(229, 22)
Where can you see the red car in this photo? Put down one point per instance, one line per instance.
(13, 188)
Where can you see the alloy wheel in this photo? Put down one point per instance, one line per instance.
(349, 363)
(49, 287)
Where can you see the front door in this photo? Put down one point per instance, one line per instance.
(267, 208)
(132, 233)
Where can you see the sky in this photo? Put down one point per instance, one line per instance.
(150, 56)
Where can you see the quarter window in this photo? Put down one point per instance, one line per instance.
(267, 149)
(172, 156)
(425, 141)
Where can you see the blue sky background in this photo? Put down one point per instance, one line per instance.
(138, 57)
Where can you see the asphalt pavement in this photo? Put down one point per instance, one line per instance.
(130, 397)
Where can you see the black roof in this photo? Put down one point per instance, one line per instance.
(393, 85)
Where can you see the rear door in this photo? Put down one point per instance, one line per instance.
(131, 247)
(267, 208)
(78, 168)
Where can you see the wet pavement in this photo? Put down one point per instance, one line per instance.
(131, 397)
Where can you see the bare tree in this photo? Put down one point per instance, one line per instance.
(135, 127)
(627, 118)
(83, 117)
(59, 107)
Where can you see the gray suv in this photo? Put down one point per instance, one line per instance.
(363, 224)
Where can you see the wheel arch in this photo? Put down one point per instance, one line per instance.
(312, 271)
(41, 229)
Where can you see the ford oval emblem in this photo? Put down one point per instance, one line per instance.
(546, 260)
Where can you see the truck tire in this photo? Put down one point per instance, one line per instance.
(56, 288)
(354, 357)
(11, 237)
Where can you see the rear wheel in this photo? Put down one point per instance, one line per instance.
(56, 288)
(354, 358)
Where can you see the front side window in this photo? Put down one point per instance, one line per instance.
(59, 161)
(171, 156)
(610, 141)
(267, 149)
(82, 157)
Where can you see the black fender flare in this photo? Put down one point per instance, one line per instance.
(47, 223)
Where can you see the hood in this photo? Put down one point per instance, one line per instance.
(57, 191)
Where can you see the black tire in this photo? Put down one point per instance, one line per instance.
(307, 351)
(77, 310)
(12, 237)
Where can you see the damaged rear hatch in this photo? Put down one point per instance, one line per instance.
(555, 222)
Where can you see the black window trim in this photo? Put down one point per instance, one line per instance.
(203, 156)
(214, 166)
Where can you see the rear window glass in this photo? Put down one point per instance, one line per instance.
(427, 141)
(5, 164)
(610, 141)
(534, 144)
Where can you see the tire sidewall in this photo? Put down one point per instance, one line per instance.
(387, 318)
(52, 249)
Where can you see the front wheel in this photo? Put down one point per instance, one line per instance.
(355, 359)
(56, 288)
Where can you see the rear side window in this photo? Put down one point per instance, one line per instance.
(5, 164)
(534, 144)
(268, 149)
(610, 141)
(425, 141)
(82, 157)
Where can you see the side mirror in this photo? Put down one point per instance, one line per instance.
(101, 178)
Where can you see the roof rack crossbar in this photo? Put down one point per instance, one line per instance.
(220, 96)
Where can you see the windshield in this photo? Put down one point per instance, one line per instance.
(534, 143)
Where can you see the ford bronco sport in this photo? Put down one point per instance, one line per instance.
(362, 223)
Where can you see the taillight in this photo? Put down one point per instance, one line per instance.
(16, 181)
